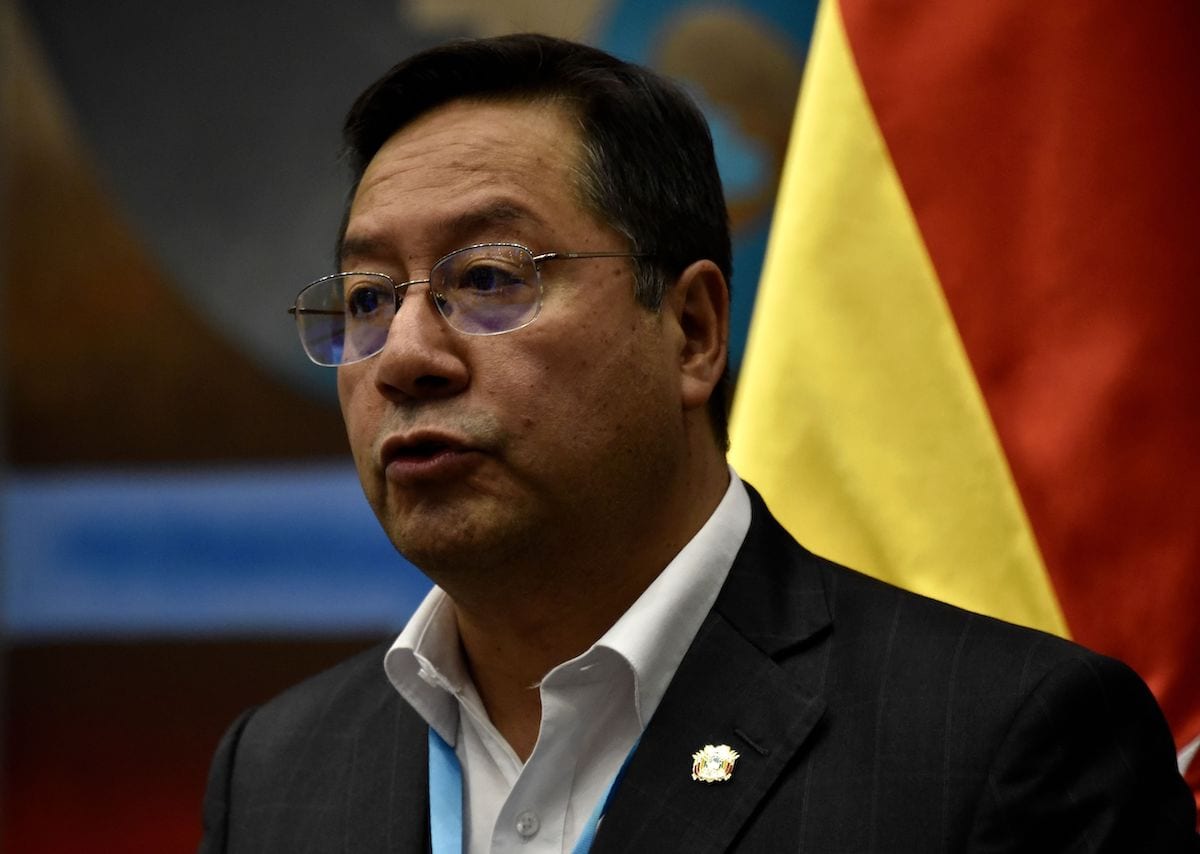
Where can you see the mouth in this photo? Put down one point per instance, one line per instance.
(425, 456)
(422, 450)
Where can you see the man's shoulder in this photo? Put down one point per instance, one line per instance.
(884, 640)
(872, 618)
(343, 695)
(321, 766)
(861, 602)
(938, 723)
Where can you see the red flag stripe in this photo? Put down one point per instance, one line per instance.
(1050, 155)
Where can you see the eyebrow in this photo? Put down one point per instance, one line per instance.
(498, 213)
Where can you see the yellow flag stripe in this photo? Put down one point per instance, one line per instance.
(857, 413)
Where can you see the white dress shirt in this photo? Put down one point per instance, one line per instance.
(594, 707)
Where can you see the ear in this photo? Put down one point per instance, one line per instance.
(699, 303)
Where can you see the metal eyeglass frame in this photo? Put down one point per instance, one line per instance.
(438, 299)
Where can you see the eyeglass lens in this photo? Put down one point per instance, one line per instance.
(481, 290)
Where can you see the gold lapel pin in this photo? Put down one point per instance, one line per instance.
(713, 763)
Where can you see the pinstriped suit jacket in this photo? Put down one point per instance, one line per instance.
(868, 720)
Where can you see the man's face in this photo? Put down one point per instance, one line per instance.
(478, 451)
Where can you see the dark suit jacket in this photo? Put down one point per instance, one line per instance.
(868, 719)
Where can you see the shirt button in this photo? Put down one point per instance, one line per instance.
(528, 824)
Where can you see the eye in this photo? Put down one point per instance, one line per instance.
(485, 277)
(364, 299)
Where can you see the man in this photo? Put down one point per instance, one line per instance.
(531, 344)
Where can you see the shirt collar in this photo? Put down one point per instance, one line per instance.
(658, 628)
(426, 666)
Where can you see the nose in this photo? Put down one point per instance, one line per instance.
(423, 358)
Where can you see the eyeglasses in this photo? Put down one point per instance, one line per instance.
(487, 289)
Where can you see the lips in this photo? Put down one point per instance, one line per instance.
(425, 455)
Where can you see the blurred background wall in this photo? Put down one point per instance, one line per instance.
(183, 534)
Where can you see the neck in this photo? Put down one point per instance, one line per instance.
(513, 635)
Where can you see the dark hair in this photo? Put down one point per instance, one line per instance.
(648, 168)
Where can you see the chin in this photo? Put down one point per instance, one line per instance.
(458, 543)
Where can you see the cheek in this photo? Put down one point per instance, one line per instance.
(609, 388)
(347, 379)
(355, 405)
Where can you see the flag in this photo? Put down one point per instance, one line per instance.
(973, 368)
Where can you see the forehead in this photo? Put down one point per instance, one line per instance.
(469, 171)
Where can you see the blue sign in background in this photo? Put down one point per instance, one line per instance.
(242, 551)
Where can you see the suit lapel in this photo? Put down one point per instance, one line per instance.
(751, 680)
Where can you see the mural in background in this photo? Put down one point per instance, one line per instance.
(194, 187)
(180, 519)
